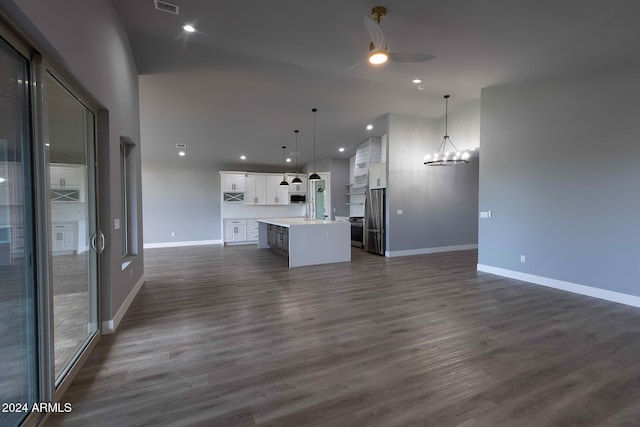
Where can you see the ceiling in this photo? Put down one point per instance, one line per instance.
(270, 62)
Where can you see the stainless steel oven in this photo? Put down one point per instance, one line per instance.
(357, 231)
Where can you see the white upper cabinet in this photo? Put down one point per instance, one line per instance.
(255, 190)
(232, 182)
(276, 194)
(378, 176)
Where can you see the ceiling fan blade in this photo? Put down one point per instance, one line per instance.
(409, 58)
(354, 65)
(375, 32)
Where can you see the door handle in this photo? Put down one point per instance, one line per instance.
(101, 241)
(92, 242)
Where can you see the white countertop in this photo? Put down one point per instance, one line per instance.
(288, 222)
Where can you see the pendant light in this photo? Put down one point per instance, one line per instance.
(297, 179)
(284, 169)
(314, 176)
(444, 157)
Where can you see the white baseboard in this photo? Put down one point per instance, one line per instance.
(604, 294)
(177, 244)
(110, 326)
(424, 251)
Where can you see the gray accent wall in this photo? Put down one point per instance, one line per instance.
(559, 171)
(180, 200)
(88, 41)
(439, 204)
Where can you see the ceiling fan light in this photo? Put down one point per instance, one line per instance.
(378, 57)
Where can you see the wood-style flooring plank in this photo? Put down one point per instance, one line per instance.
(231, 336)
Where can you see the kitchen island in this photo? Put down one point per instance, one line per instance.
(306, 241)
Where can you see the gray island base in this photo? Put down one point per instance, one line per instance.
(306, 241)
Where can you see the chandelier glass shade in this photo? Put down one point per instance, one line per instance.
(447, 153)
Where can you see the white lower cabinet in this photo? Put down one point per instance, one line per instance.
(235, 230)
(240, 230)
(64, 238)
(252, 230)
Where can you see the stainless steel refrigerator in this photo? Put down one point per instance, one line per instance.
(374, 216)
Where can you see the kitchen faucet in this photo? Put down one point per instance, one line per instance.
(309, 208)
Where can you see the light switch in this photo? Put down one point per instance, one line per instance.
(400, 212)
(484, 215)
(116, 224)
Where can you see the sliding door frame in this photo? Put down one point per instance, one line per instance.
(39, 66)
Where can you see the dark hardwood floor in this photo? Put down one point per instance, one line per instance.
(232, 337)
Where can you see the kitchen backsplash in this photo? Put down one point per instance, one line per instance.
(67, 212)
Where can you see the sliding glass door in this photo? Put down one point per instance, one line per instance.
(74, 240)
(18, 321)
(50, 242)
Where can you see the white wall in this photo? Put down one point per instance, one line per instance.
(560, 173)
(88, 41)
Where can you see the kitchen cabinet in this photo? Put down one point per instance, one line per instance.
(66, 182)
(232, 182)
(235, 230)
(378, 176)
(252, 230)
(264, 189)
(367, 153)
(276, 194)
(255, 190)
(63, 238)
(65, 176)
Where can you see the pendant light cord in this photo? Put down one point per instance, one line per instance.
(446, 116)
(296, 132)
(314, 139)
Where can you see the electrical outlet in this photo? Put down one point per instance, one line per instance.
(400, 212)
(523, 258)
(484, 215)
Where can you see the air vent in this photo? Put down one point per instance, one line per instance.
(181, 145)
(167, 7)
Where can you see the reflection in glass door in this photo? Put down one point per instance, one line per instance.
(18, 354)
(70, 136)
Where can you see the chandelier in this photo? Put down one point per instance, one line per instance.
(445, 156)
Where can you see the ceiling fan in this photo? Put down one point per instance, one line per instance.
(378, 52)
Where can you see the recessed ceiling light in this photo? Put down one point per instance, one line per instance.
(189, 28)
(2, 180)
(288, 160)
(341, 149)
(369, 126)
(420, 87)
(181, 153)
(243, 157)
(417, 81)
